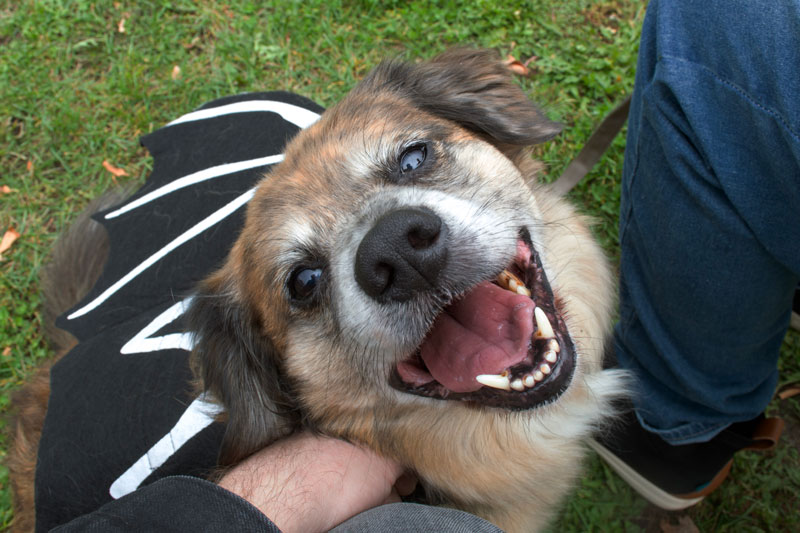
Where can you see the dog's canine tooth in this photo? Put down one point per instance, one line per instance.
(545, 368)
(496, 381)
(550, 356)
(545, 330)
(517, 385)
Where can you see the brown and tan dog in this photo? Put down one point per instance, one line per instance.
(403, 281)
(373, 294)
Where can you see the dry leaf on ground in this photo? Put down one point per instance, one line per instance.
(516, 66)
(9, 237)
(5, 189)
(789, 392)
(116, 171)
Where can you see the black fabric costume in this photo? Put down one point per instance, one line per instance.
(108, 409)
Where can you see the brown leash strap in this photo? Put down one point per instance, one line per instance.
(594, 148)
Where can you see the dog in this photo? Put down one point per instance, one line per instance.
(404, 282)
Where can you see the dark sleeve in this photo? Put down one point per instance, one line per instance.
(176, 503)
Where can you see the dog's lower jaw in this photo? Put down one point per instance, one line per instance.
(510, 468)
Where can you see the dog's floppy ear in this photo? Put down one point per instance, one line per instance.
(239, 367)
(472, 88)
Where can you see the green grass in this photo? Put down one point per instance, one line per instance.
(75, 91)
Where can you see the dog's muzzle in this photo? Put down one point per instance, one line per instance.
(501, 343)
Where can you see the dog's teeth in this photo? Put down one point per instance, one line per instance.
(553, 345)
(545, 368)
(545, 330)
(538, 375)
(495, 381)
(529, 381)
(517, 385)
(509, 281)
(550, 356)
(503, 278)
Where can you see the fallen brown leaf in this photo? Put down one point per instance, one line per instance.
(516, 66)
(115, 171)
(121, 25)
(29, 165)
(6, 351)
(9, 237)
(5, 189)
(789, 392)
(192, 44)
(176, 72)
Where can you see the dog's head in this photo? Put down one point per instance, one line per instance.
(397, 262)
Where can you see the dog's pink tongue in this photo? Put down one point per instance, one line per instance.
(483, 333)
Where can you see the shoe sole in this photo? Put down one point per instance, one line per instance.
(649, 491)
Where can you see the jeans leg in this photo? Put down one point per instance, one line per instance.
(415, 518)
(710, 217)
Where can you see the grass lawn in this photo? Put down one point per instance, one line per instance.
(80, 81)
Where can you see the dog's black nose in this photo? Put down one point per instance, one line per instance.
(403, 253)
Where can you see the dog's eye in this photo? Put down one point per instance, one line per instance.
(304, 282)
(412, 157)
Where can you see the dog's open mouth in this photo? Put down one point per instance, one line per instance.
(502, 344)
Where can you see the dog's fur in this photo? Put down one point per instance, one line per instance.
(277, 364)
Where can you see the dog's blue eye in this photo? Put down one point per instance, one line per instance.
(413, 157)
(303, 282)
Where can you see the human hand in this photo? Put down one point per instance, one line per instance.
(310, 483)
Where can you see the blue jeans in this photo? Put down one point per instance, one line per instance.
(710, 217)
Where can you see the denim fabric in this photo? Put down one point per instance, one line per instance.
(415, 518)
(710, 220)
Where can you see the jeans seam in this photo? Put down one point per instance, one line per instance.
(629, 207)
(679, 435)
(744, 94)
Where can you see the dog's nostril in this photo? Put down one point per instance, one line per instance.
(421, 238)
(383, 274)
